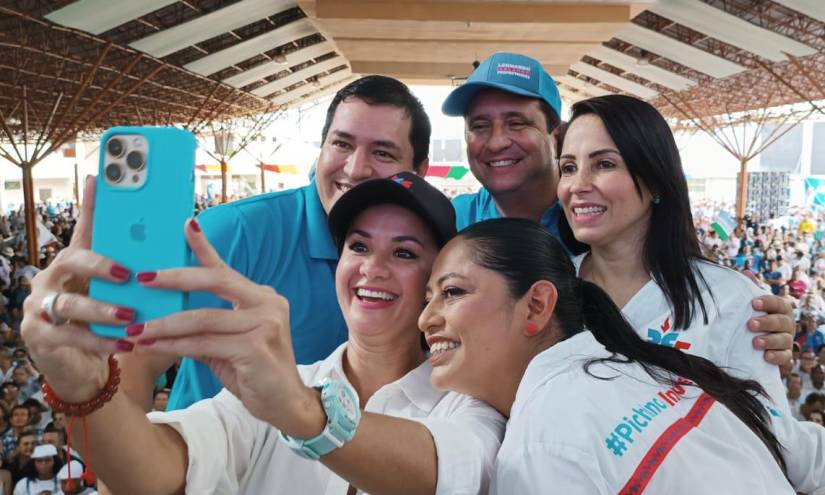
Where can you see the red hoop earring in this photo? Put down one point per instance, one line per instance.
(532, 329)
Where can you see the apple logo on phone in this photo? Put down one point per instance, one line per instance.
(138, 231)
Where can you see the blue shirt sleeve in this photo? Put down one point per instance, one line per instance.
(464, 214)
(224, 227)
(194, 382)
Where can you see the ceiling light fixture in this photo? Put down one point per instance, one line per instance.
(644, 59)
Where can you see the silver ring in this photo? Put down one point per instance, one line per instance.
(48, 307)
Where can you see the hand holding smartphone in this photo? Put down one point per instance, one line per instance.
(144, 195)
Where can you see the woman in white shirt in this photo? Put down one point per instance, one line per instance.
(593, 408)
(40, 473)
(624, 196)
(261, 433)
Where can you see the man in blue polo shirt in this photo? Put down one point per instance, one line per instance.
(374, 128)
(511, 107)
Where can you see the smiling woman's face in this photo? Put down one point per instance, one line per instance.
(387, 256)
(596, 190)
(471, 323)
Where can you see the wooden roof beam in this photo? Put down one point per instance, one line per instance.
(93, 91)
(814, 9)
(730, 29)
(317, 95)
(452, 10)
(321, 83)
(678, 51)
(299, 75)
(571, 32)
(582, 86)
(78, 127)
(183, 92)
(207, 26)
(458, 51)
(790, 86)
(615, 80)
(805, 72)
(647, 71)
(200, 107)
(88, 77)
(428, 70)
(98, 16)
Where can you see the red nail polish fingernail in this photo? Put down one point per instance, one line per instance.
(125, 314)
(146, 276)
(119, 272)
(124, 345)
(147, 341)
(45, 317)
(133, 330)
(195, 225)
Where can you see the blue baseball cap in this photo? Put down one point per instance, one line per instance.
(509, 72)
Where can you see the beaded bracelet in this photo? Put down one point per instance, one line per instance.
(83, 409)
(90, 406)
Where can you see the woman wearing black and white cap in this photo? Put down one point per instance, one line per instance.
(261, 434)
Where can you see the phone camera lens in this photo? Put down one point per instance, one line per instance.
(113, 172)
(115, 147)
(135, 160)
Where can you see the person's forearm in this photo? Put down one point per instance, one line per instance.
(102, 489)
(388, 456)
(131, 454)
(138, 375)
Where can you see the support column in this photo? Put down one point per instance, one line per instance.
(742, 193)
(223, 181)
(31, 222)
(76, 186)
(263, 178)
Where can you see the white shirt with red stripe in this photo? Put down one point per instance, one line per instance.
(726, 341)
(572, 433)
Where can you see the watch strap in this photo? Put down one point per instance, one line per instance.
(337, 431)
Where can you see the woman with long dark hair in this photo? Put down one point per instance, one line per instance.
(593, 408)
(624, 196)
(40, 473)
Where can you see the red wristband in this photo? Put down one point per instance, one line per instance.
(90, 406)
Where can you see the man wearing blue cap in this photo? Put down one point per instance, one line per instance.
(511, 107)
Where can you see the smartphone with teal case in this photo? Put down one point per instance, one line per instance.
(145, 191)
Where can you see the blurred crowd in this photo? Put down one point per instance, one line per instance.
(786, 255)
(34, 456)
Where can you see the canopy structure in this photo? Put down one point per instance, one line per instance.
(71, 81)
(437, 41)
(266, 50)
(694, 57)
(70, 67)
(691, 58)
(289, 51)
